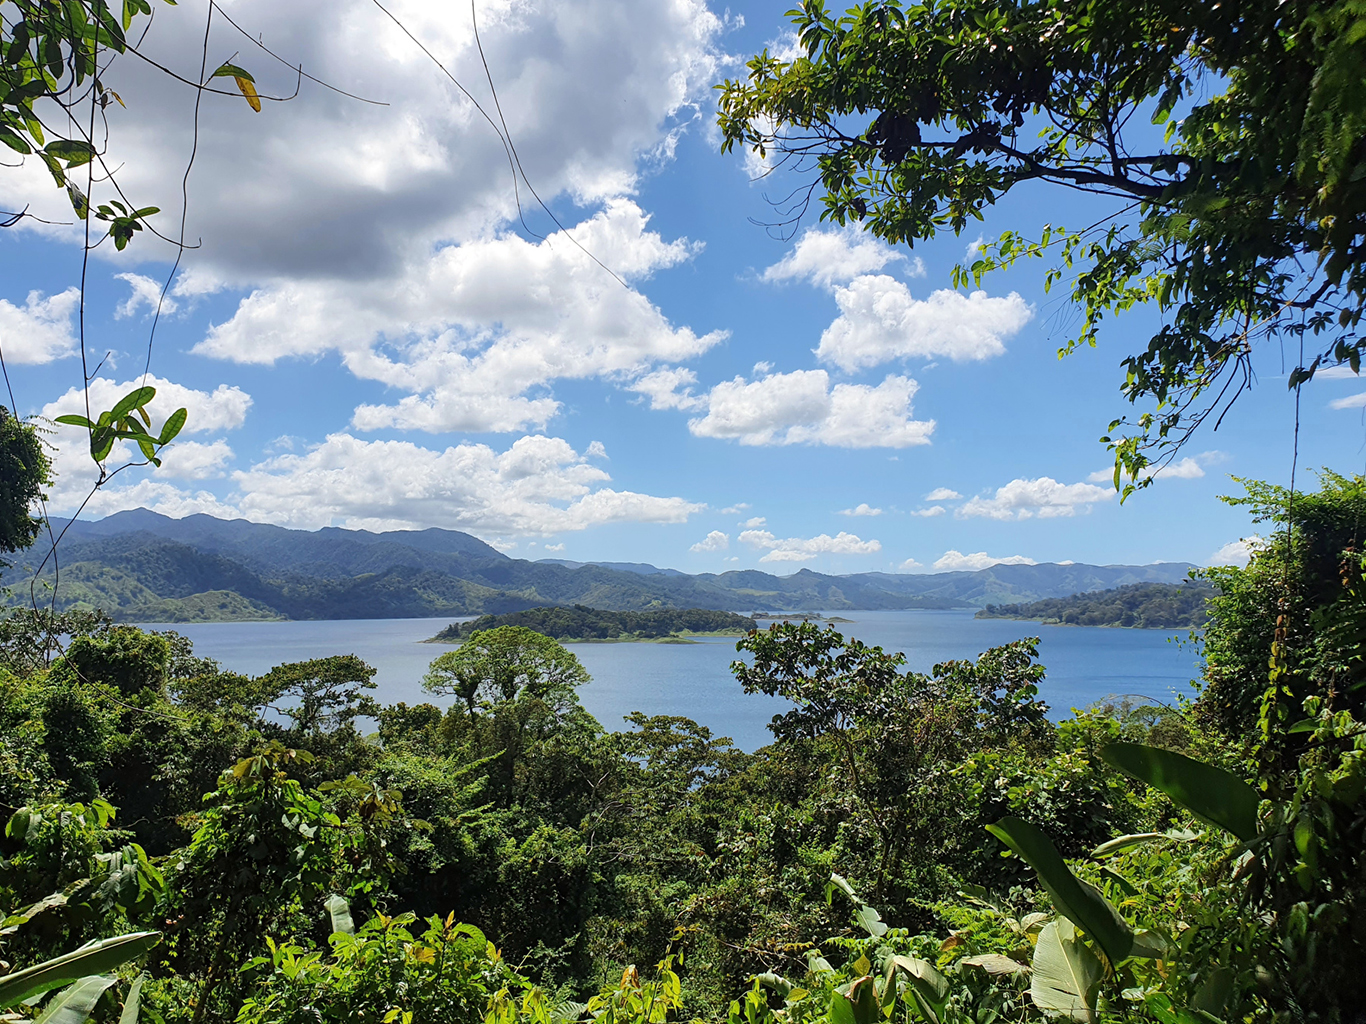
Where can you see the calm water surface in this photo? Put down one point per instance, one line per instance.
(1084, 663)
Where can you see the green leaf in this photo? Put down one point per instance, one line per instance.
(928, 989)
(871, 921)
(1079, 901)
(1121, 843)
(75, 421)
(73, 1005)
(232, 71)
(1211, 794)
(1066, 973)
(1151, 945)
(995, 963)
(74, 152)
(133, 1003)
(855, 1003)
(133, 400)
(94, 958)
(173, 426)
(341, 915)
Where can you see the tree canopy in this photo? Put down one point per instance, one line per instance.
(24, 472)
(1228, 135)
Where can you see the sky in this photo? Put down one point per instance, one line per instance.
(367, 333)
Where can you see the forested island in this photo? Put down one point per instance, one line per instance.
(582, 623)
(1137, 606)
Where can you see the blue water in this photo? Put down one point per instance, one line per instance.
(1084, 663)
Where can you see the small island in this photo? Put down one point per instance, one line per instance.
(1136, 606)
(580, 624)
(798, 617)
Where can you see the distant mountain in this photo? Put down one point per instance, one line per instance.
(143, 567)
(1137, 606)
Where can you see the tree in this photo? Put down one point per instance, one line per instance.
(1242, 217)
(24, 472)
(323, 695)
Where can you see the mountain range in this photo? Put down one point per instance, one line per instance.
(139, 566)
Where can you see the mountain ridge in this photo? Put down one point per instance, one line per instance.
(139, 564)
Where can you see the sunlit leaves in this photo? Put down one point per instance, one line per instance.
(129, 420)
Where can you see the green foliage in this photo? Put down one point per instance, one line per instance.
(581, 623)
(129, 420)
(1240, 223)
(24, 471)
(1138, 605)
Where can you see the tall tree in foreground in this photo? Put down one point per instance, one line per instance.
(1241, 215)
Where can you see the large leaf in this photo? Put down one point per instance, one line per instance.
(133, 1003)
(928, 989)
(1210, 793)
(995, 963)
(73, 1005)
(855, 1003)
(1066, 973)
(1079, 901)
(94, 958)
(341, 915)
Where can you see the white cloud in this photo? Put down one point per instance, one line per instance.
(146, 292)
(210, 412)
(880, 322)
(165, 498)
(670, 388)
(480, 329)
(538, 486)
(1185, 469)
(975, 249)
(714, 541)
(1237, 552)
(193, 460)
(1043, 497)
(377, 231)
(1350, 402)
(735, 509)
(835, 256)
(802, 408)
(956, 561)
(929, 513)
(799, 549)
(1342, 372)
(942, 494)
(861, 509)
(40, 330)
(554, 547)
(754, 522)
(910, 565)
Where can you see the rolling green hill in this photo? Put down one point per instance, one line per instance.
(139, 566)
(581, 623)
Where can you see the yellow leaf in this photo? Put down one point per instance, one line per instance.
(249, 91)
(117, 97)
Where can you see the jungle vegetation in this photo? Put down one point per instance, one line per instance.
(1138, 606)
(582, 623)
(911, 846)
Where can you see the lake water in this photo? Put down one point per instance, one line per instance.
(1084, 663)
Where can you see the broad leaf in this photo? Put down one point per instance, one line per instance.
(73, 1005)
(1066, 973)
(1122, 843)
(1079, 901)
(855, 1003)
(94, 958)
(173, 425)
(341, 915)
(135, 399)
(928, 989)
(995, 963)
(133, 1003)
(1210, 793)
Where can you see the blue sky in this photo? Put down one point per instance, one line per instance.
(367, 337)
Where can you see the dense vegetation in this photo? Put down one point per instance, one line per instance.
(507, 858)
(142, 567)
(1139, 605)
(580, 623)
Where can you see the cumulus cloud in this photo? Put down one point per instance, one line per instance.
(799, 549)
(910, 565)
(836, 255)
(480, 329)
(1237, 552)
(880, 322)
(670, 388)
(714, 541)
(210, 412)
(145, 293)
(735, 509)
(1043, 497)
(754, 522)
(538, 486)
(802, 408)
(861, 509)
(40, 330)
(942, 494)
(929, 513)
(378, 231)
(956, 561)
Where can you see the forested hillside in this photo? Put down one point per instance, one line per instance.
(581, 623)
(142, 567)
(1139, 606)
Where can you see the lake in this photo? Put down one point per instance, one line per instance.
(1084, 663)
